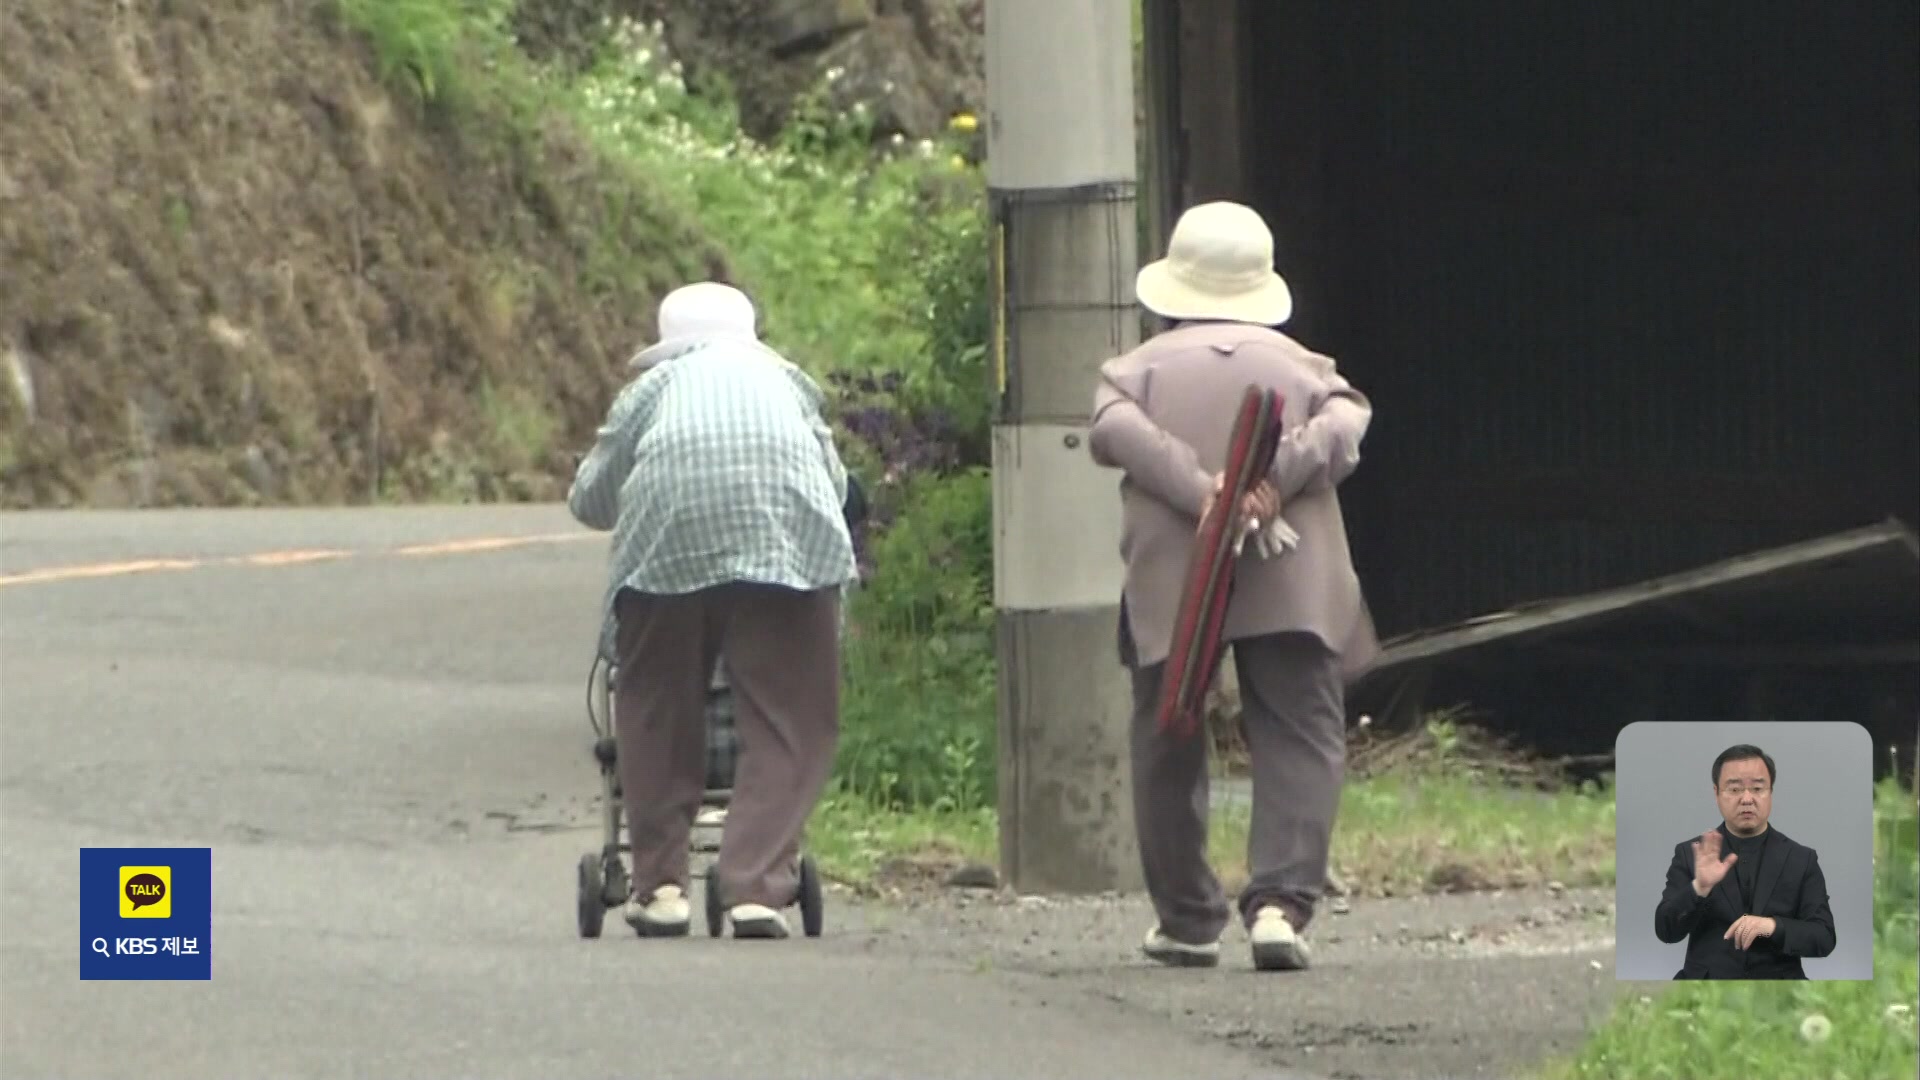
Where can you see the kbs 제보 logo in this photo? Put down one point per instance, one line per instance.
(146, 913)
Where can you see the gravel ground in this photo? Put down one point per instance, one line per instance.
(1467, 985)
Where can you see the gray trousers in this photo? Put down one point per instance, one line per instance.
(1292, 696)
(783, 658)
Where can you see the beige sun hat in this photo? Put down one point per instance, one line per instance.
(1219, 265)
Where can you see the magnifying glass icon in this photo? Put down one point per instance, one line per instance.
(100, 946)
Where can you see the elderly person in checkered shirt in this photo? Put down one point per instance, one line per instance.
(717, 473)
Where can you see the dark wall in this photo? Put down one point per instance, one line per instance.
(1633, 288)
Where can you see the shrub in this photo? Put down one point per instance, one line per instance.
(918, 727)
(818, 227)
(430, 47)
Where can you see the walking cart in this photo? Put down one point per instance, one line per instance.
(604, 881)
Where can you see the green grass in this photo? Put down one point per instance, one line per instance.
(1418, 829)
(435, 49)
(1414, 829)
(1745, 1031)
(853, 839)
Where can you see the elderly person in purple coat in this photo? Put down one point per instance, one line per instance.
(1297, 621)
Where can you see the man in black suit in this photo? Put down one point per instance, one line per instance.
(1757, 913)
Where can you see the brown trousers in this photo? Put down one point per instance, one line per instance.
(783, 659)
(1292, 698)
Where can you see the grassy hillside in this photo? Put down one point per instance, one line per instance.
(239, 268)
(286, 251)
(298, 252)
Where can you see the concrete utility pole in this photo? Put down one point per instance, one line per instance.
(1060, 168)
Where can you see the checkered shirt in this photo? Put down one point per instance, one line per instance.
(717, 466)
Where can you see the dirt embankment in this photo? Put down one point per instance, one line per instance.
(235, 268)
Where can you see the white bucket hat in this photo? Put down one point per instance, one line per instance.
(1219, 266)
(696, 314)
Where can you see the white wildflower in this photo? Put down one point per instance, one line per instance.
(925, 148)
(834, 74)
(1816, 1028)
(1899, 1011)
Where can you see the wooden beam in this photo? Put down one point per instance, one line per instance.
(1547, 615)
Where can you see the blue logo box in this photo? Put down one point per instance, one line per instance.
(146, 914)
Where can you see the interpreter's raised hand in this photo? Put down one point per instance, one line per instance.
(1708, 868)
(1747, 929)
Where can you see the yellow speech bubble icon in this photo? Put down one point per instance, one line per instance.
(146, 892)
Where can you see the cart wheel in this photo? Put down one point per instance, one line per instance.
(591, 902)
(716, 913)
(619, 886)
(812, 901)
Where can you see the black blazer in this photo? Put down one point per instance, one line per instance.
(1790, 890)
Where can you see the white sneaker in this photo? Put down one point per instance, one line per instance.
(1165, 950)
(757, 921)
(667, 914)
(1276, 947)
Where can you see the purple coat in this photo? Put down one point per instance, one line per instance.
(1163, 414)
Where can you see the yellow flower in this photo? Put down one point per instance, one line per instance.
(959, 162)
(964, 122)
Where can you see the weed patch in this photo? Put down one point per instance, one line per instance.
(435, 50)
(1443, 809)
(857, 843)
(1429, 822)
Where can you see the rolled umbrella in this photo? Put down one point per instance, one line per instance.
(1194, 659)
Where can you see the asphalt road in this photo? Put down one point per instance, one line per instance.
(378, 727)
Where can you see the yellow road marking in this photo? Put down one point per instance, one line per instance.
(292, 557)
(94, 570)
(488, 543)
